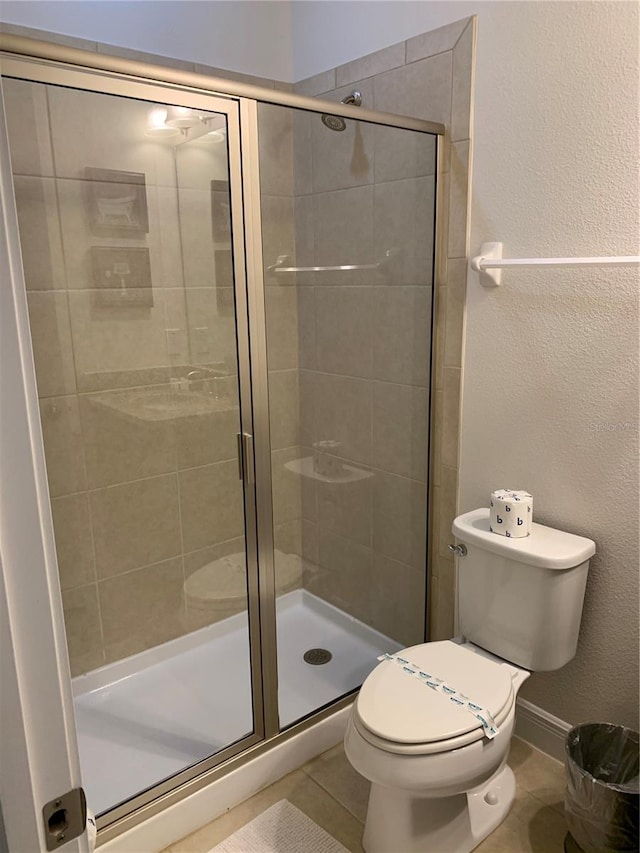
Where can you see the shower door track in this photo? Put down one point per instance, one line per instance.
(53, 64)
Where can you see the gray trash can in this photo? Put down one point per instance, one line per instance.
(603, 790)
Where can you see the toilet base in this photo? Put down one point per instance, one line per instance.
(401, 821)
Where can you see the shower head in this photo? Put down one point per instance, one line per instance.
(337, 122)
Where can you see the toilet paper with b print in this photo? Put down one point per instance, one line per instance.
(511, 512)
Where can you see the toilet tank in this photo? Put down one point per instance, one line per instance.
(521, 599)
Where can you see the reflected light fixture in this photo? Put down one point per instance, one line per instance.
(157, 123)
(213, 136)
(182, 118)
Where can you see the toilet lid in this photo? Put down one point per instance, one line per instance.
(398, 707)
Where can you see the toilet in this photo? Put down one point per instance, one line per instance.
(431, 726)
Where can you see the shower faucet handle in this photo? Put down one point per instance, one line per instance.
(458, 550)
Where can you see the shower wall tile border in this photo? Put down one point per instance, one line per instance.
(455, 45)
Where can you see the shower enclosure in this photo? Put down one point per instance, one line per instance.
(230, 303)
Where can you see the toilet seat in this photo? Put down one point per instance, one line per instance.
(398, 713)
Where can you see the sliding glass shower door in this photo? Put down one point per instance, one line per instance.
(132, 235)
(348, 212)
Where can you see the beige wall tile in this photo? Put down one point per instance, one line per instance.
(343, 414)
(135, 524)
(421, 90)
(105, 131)
(74, 540)
(401, 153)
(343, 159)
(304, 228)
(448, 508)
(37, 208)
(435, 41)
(343, 575)
(344, 233)
(142, 609)
(458, 199)
(211, 325)
(436, 437)
(122, 439)
(209, 598)
(400, 611)
(278, 233)
(400, 429)
(345, 508)
(282, 333)
(27, 114)
(284, 416)
(440, 335)
(211, 505)
(275, 140)
(451, 416)
(286, 486)
(343, 330)
(288, 537)
(371, 64)
(63, 448)
(198, 163)
(317, 84)
(455, 308)
(307, 326)
(401, 336)
(82, 625)
(462, 78)
(51, 339)
(400, 519)
(442, 627)
(404, 225)
(198, 250)
(110, 338)
(205, 438)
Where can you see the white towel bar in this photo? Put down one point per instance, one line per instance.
(489, 263)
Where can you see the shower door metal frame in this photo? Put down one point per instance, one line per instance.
(55, 64)
(42, 72)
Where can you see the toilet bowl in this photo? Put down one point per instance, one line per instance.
(437, 783)
(431, 726)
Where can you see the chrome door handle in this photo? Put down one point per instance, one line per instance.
(245, 456)
(458, 550)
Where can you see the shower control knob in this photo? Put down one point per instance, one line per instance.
(458, 550)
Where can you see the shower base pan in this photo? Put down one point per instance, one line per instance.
(143, 719)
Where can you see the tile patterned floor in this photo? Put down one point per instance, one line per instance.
(332, 794)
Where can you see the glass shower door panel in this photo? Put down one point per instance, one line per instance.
(127, 243)
(348, 242)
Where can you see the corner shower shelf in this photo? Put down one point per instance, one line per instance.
(490, 263)
(349, 474)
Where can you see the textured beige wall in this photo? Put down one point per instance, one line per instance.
(551, 357)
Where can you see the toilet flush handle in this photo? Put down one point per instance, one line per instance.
(458, 550)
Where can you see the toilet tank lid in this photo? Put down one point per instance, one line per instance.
(545, 547)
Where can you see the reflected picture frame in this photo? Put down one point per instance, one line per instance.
(116, 203)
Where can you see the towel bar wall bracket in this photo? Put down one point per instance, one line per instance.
(490, 263)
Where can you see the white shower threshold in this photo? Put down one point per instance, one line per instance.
(144, 719)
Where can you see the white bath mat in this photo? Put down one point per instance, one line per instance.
(280, 829)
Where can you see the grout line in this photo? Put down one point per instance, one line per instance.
(330, 793)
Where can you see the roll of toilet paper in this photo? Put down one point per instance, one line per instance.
(511, 513)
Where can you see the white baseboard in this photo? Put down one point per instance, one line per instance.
(541, 729)
(180, 819)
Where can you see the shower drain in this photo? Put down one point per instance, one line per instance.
(316, 657)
